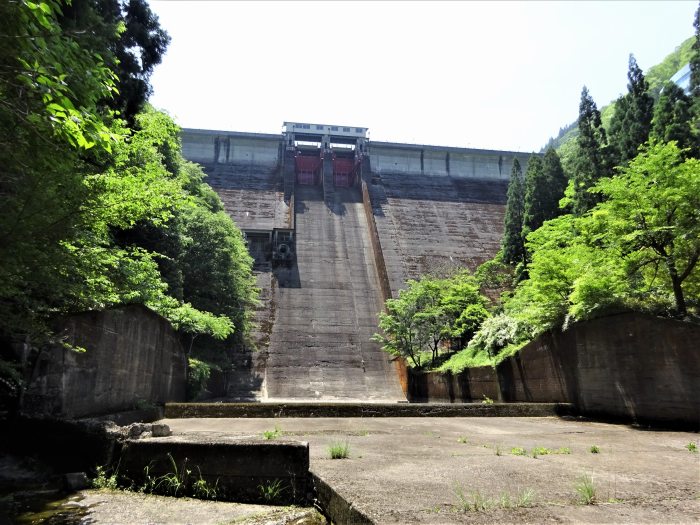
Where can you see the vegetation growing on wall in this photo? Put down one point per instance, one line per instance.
(99, 211)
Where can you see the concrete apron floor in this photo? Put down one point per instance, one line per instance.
(413, 470)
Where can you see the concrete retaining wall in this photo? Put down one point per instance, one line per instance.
(237, 468)
(133, 357)
(631, 366)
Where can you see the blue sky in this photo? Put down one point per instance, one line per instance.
(500, 75)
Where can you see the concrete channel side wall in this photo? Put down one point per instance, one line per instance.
(629, 366)
(132, 356)
(228, 147)
(376, 244)
(410, 159)
(237, 468)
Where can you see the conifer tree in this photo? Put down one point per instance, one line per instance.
(673, 117)
(513, 245)
(545, 183)
(695, 85)
(631, 122)
(591, 161)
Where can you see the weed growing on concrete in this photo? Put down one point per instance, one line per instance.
(202, 489)
(518, 451)
(586, 490)
(271, 491)
(487, 400)
(177, 482)
(595, 449)
(526, 498)
(102, 480)
(562, 450)
(692, 447)
(339, 450)
(272, 434)
(476, 501)
(540, 451)
(462, 439)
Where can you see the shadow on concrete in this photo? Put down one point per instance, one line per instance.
(443, 189)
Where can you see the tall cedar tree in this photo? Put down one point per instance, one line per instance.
(513, 243)
(591, 161)
(135, 52)
(544, 188)
(631, 122)
(695, 84)
(673, 117)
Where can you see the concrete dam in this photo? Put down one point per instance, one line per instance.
(336, 224)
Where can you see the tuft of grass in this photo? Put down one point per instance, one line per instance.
(586, 490)
(595, 449)
(102, 480)
(562, 450)
(692, 447)
(339, 450)
(518, 451)
(526, 498)
(272, 434)
(487, 400)
(271, 491)
(475, 501)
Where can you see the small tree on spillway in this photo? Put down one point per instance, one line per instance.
(430, 312)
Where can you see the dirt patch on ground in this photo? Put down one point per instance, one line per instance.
(466, 470)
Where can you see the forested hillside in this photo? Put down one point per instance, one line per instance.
(610, 223)
(99, 208)
(656, 76)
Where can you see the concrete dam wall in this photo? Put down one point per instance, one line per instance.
(424, 208)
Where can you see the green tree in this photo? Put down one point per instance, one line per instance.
(591, 160)
(631, 122)
(544, 188)
(653, 214)
(132, 41)
(673, 117)
(513, 243)
(430, 312)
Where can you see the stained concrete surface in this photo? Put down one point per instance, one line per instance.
(407, 470)
(326, 308)
(429, 224)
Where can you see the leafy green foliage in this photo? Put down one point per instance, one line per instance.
(513, 242)
(652, 216)
(96, 214)
(136, 43)
(430, 312)
(198, 373)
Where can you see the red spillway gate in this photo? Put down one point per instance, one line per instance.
(308, 168)
(345, 171)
